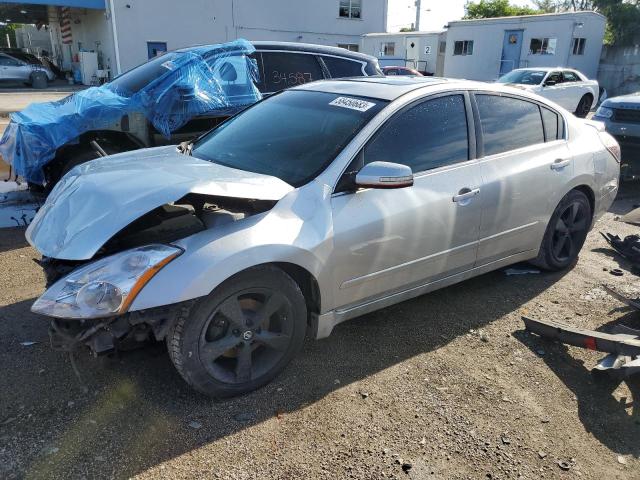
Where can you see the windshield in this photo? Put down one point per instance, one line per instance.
(293, 135)
(26, 57)
(139, 77)
(524, 77)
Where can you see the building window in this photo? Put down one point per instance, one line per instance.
(388, 49)
(463, 47)
(578, 46)
(350, 8)
(442, 47)
(352, 47)
(543, 46)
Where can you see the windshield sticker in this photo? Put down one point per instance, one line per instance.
(352, 103)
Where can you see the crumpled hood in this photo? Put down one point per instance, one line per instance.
(96, 200)
(631, 101)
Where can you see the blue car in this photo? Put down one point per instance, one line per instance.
(621, 116)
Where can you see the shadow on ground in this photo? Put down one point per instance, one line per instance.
(137, 408)
(12, 239)
(605, 417)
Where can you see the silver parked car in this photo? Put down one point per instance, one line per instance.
(23, 67)
(314, 206)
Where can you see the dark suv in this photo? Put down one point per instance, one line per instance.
(280, 65)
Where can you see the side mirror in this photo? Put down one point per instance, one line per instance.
(384, 175)
(550, 83)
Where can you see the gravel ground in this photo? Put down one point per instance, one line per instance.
(444, 386)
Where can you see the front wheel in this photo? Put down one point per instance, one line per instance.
(242, 335)
(39, 80)
(566, 232)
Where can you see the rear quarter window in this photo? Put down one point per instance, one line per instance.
(553, 125)
(342, 67)
(508, 123)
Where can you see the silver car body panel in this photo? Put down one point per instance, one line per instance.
(96, 200)
(371, 248)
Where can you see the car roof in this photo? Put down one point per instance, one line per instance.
(392, 88)
(543, 69)
(299, 47)
(382, 88)
(310, 47)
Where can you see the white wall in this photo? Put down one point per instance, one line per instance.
(372, 45)
(28, 36)
(191, 22)
(488, 38)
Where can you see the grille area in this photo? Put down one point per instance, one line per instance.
(626, 115)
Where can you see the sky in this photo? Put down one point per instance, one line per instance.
(435, 13)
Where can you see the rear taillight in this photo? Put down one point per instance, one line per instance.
(611, 144)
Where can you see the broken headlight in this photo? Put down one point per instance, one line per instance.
(106, 287)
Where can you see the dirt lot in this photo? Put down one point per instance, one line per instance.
(449, 383)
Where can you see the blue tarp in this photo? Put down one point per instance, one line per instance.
(169, 91)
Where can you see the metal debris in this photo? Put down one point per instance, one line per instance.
(622, 344)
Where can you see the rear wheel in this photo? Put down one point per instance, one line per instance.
(242, 335)
(566, 232)
(584, 106)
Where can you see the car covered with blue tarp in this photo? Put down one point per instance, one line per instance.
(167, 100)
(184, 84)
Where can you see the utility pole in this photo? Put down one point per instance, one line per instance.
(418, 8)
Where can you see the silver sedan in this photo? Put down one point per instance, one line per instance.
(314, 206)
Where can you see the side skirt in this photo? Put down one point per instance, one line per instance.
(327, 321)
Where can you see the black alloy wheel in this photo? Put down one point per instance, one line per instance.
(570, 230)
(242, 334)
(246, 336)
(566, 232)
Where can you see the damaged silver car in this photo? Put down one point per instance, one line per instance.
(317, 205)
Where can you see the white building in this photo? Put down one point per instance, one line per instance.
(423, 51)
(484, 49)
(33, 39)
(125, 33)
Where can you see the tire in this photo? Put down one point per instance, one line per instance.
(232, 353)
(566, 232)
(584, 106)
(39, 80)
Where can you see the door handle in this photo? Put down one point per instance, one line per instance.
(465, 194)
(560, 163)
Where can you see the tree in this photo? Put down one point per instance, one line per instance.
(10, 30)
(623, 20)
(546, 6)
(496, 8)
(623, 17)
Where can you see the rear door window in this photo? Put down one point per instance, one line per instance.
(508, 123)
(429, 135)
(287, 69)
(342, 67)
(570, 77)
